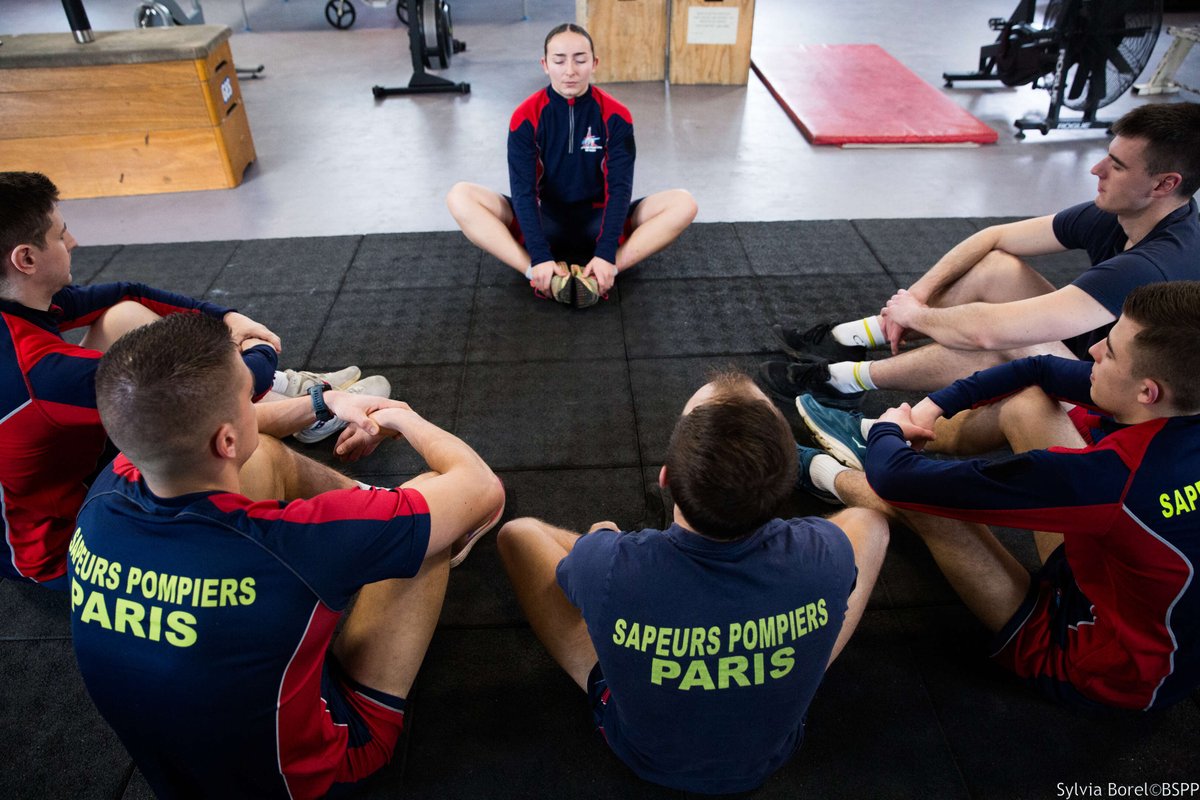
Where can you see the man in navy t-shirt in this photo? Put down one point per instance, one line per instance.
(202, 619)
(570, 167)
(982, 304)
(700, 646)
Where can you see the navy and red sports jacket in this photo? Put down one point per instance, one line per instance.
(1126, 506)
(571, 152)
(51, 438)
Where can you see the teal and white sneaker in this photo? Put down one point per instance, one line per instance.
(804, 477)
(373, 385)
(839, 432)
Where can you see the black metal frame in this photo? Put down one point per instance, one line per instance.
(988, 60)
(422, 82)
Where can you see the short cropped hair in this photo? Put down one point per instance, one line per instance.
(163, 388)
(1172, 135)
(1165, 350)
(731, 461)
(568, 27)
(26, 202)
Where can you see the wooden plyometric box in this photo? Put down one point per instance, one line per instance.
(710, 41)
(630, 38)
(134, 112)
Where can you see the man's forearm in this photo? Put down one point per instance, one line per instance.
(441, 450)
(284, 417)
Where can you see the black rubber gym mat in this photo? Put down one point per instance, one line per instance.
(412, 260)
(188, 269)
(288, 265)
(573, 409)
(911, 245)
(821, 247)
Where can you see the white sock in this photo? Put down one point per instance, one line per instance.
(865, 426)
(851, 376)
(823, 471)
(280, 382)
(865, 332)
(529, 272)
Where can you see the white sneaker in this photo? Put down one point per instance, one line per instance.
(373, 385)
(298, 381)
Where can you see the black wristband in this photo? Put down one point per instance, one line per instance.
(316, 393)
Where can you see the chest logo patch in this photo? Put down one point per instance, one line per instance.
(590, 143)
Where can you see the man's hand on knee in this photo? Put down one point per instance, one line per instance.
(242, 327)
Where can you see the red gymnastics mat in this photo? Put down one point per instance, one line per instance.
(858, 95)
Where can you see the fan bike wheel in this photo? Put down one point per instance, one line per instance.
(436, 31)
(340, 14)
(1106, 45)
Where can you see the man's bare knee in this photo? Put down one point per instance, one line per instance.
(262, 476)
(1025, 408)
(117, 321)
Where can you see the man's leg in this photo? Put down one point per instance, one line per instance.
(1032, 421)
(868, 534)
(484, 217)
(990, 581)
(657, 221)
(115, 323)
(531, 550)
(388, 631)
(997, 278)
(932, 367)
(276, 472)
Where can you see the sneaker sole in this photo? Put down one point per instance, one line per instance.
(476, 535)
(306, 437)
(842, 352)
(832, 445)
(585, 295)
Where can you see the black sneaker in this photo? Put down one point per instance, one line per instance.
(817, 341)
(786, 380)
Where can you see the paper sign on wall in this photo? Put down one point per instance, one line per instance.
(712, 25)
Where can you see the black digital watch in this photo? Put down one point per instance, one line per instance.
(316, 393)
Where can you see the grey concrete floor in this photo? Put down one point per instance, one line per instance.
(333, 160)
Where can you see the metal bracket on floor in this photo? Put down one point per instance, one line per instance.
(1163, 80)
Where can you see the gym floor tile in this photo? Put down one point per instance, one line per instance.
(912, 245)
(703, 250)
(65, 747)
(87, 262)
(297, 319)
(661, 387)
(428, 327)
(804, 301)
(31, 612)
(819, 247)
(480, 593)
(460, 706)
(550, 414)
(976, 700)
(188, 269)
(693, 317)
(414, 260)
(510, 324)
(288, 265)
